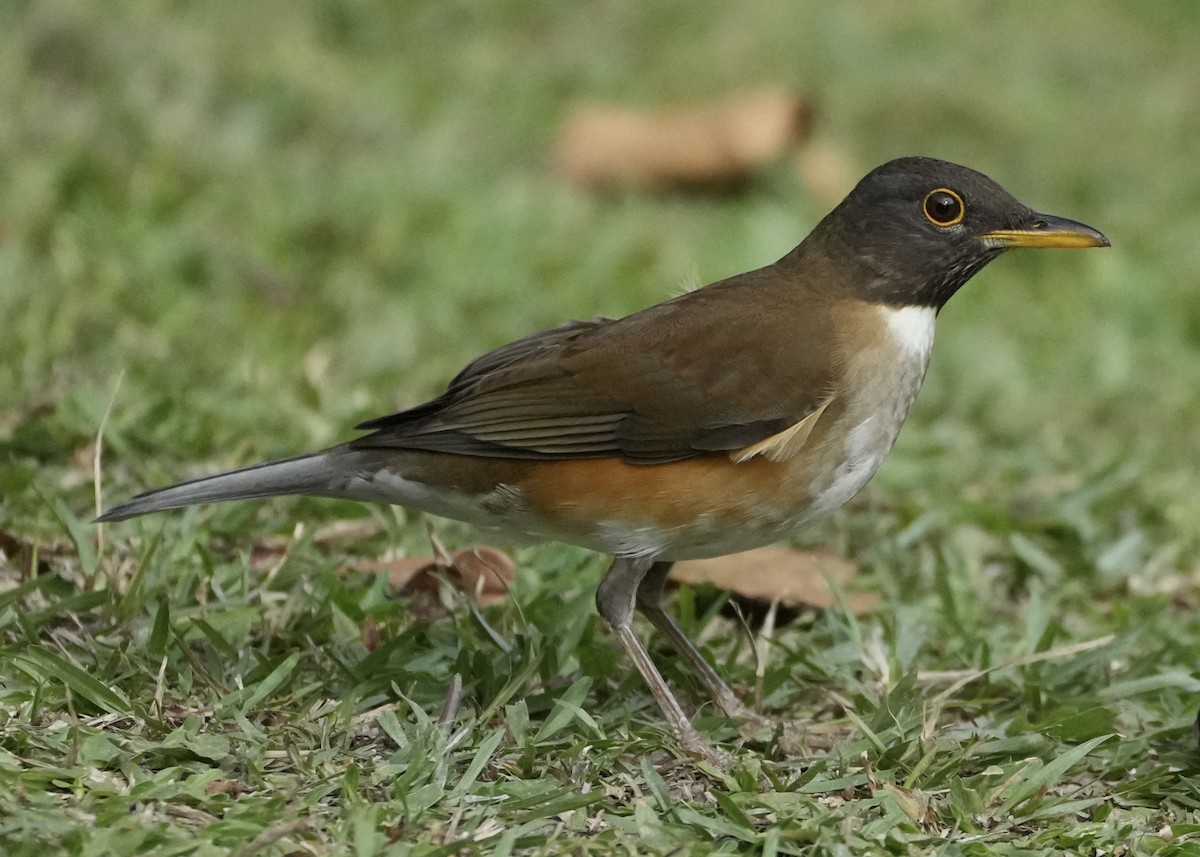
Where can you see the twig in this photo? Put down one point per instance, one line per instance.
(96, 457)
(762, 652)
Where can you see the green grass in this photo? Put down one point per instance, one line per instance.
(279, 218)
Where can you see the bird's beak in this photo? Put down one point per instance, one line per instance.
(1046, 230)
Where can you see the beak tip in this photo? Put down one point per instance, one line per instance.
(1071, 233)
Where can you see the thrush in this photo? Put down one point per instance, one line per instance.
(721, 420)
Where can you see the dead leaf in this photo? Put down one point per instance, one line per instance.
(603, 145)
(394, 832)
(13, 545)
(912, 804)
(265, 552)
(401, 572)
(485, 574)
(17, 554)
(346, 531)
(368, 634)
(224, 787)
(828, 171)
(794, 578)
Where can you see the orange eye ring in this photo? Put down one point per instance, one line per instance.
(944, 208)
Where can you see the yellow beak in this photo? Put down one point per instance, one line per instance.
(1046, 230)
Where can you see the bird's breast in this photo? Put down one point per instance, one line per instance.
(883, 373)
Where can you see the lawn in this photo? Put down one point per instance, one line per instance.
(230, 231)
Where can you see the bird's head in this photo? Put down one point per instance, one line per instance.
(914, 230)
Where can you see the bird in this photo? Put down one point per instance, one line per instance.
(718, 421)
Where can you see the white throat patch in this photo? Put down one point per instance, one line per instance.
(912, 328)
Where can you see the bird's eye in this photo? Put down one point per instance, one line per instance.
(943, 207)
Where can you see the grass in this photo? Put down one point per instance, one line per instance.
(278, 218)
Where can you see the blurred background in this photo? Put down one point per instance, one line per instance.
(278, 218)
(250, 225)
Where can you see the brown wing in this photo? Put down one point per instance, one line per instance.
(715, 370)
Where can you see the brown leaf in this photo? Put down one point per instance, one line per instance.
(266, 552)
(402, 573)
(602, 145)
(368, 634)
(912, 804)
(794, 578)
(394, 832)
(484, 573)
(224, 787)
(345, 531)
(13, 545)
(17, 553)
(828, 170)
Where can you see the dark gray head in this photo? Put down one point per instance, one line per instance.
(916, 229)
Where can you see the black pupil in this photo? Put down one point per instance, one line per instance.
(942, 207)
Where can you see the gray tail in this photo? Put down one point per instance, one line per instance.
(304, 474)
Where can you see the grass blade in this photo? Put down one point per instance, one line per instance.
(44, 664)
(1048, 774)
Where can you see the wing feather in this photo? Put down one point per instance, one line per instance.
(666, 384)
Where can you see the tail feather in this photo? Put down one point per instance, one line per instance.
(304, 474)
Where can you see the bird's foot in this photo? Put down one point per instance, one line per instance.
(802, 737)
(702, 751)
(794, 737)
(754, 726)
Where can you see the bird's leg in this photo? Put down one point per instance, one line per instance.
(649, 602)
(615, 599)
